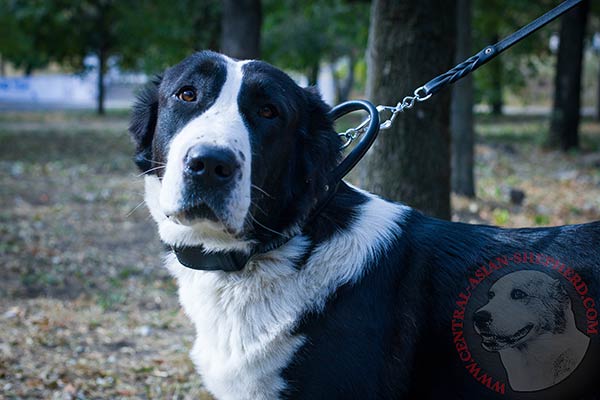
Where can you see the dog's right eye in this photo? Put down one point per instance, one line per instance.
(517, 294)
(187, 94)
(268, 111)
(491, 295)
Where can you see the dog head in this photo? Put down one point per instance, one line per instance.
(522, 306)
(233, 151)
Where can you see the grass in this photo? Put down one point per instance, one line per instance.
(86, 299)
(89, 312)
(560, 188)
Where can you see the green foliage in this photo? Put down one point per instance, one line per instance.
(138, 34)
(149, 36)
(492, 21)
(27, 29)
(501, 216)
(541, 219)
(299, 35)
(595, 8)
(158, 34)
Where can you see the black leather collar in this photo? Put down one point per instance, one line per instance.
(196, 257)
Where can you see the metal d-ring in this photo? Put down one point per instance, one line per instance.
(367, 139)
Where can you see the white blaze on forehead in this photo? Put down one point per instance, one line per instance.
(220, 125)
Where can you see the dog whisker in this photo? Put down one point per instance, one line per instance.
(259, 208)
(155, 162)
(135, 208)
(151, 170)
(265, 227)
(262, 191)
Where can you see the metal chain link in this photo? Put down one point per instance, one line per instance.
(419, 95)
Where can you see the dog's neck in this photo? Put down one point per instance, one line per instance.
(545, 360)
(245, 320)
(199, 258)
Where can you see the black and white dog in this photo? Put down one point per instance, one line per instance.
(365, 298)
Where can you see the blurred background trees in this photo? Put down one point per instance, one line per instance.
(564, 129)
(134, 35)
(240, 28)
(304, 36)
(315, 38)
(461, 118)
(492, 21)
(80, 255)
(411, 161)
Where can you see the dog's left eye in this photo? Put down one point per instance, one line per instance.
(187, 94)
(268, 111)
(517, 294)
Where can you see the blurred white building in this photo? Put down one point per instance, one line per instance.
(48, 89)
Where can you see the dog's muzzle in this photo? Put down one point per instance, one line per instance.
(482, 320)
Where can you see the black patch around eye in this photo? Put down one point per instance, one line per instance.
(205, 73)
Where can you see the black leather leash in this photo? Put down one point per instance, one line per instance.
(488, 53)
(196, 257)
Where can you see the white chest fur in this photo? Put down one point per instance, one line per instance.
(244, 320)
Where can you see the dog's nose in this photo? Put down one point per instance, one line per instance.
(210, 166)
(482, 318)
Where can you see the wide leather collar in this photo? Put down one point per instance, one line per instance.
(198, 258)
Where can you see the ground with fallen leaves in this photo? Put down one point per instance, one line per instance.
(87, 310)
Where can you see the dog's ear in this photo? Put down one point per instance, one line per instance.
(560, 293)
(319, 118)
(324, 142)
(143, 123)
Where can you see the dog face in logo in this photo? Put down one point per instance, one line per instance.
(521, 306)
(529, 321)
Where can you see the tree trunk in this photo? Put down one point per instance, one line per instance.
(240, 34)
(598, 96)
(28, 70)
(313, 74)
(344, 87)
(496, 71)
(463, 141)
(565, 113)
(410, 42)
(101, 89)
(103, 46)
